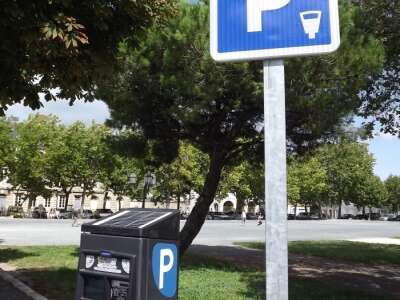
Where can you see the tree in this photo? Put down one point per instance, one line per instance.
(7, 142)
(308, 182)
(371, 192)
(66, 45)
(381, 99)
(114, 176)
(348, 166)
(246, 181)
(293, 185)
(184, 175)
(28, 164)
(92, 155)
(171, 90)
(392, 184)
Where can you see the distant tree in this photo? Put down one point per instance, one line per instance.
(92, 156)
(7, 142)
(311, 183)
(179, 178)
(28, 164)
(348, 166)
(245, 181)
(69, 46)
(293, 184)
(370, 192)
(172, 91)
(114, 176)
(392, 184)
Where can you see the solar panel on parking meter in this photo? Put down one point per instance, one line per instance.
(270, 30)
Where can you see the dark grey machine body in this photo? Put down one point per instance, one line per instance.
(132, 236)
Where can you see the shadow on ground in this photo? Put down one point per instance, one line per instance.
(60, 282)
(382, 281)
(8, 254)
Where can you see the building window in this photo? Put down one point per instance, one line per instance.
(61, 201)
(47, 202)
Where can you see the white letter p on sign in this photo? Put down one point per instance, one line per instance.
(165, 268)
(255, 9)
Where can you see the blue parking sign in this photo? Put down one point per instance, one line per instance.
(165, 268)
(264, 29)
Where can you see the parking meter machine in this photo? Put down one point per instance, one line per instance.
(130, 255)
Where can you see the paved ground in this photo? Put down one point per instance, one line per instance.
(9, 292)
(60, 232)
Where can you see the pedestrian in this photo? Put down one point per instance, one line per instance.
(75, 219)
(244, 217)
(259, 219)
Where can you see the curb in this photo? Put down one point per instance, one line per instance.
(22, 287)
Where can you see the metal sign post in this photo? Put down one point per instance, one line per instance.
(243, 30)
(275, 181)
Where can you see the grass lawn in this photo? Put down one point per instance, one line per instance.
(52, 272)
(347, 251)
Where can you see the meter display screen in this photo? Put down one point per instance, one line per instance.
(107, 264)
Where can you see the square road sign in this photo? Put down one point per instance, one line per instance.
(265, 29)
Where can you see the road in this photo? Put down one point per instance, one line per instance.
(60, 232)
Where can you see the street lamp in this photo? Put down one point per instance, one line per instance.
(132, 178)
(148, 181)
(5, 172)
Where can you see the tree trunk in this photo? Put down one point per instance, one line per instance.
(199, 212)
(105, 200)
(66, 199)
(340, 210)
(295, 211)
(83, 198)
(119, 203)
(363, 210)
(30, 201)
(144, 196)
(178, 206)
(320, 209)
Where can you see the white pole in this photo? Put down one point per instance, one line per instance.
(275, 181)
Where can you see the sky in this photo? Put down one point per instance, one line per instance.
(385, 148)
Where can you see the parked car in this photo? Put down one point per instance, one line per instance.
(397, 218)
(347, 217)
(361, 217)
(233, 215)
(15, 211)
(387, 217)
(374, 216)
(102, 213)
(213, 215)
(86, 214)
(291, 217)
(307, 216)
(39, 212)
(64, 214)
(251, 216)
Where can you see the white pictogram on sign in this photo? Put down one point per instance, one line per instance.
(311, 21)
